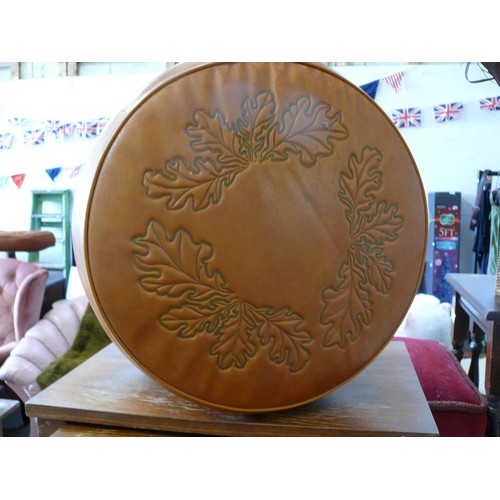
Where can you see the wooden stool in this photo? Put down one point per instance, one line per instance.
(25, 241)
(7, 406)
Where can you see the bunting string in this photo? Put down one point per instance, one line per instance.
(54, 174)
(31, 135)
(412, 116)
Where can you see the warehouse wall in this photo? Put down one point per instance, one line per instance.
(29, 70)
(448, 155)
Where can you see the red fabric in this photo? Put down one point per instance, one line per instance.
(458, 408)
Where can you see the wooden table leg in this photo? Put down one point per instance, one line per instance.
(460, 329)
(492, 378)
(476, 348)
(493, 426)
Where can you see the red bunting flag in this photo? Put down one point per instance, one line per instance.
(395, 80)
(18, 179)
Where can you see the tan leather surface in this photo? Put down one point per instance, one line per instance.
(254, 233)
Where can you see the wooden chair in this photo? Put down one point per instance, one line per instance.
(47, 340)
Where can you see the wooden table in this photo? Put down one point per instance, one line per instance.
(108, 395)
(477, 315)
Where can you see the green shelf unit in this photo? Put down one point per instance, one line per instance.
(51, 211)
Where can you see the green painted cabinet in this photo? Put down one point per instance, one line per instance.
(51, 211)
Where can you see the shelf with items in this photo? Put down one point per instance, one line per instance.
(51, 211)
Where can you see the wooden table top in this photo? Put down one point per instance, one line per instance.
(479, 291)
(386, 399)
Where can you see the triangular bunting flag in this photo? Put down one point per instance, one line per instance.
(53, 172)
(395, 80)
(18, 179)
(75, 171)
(446, 112)
(4, 180)
(370, 88)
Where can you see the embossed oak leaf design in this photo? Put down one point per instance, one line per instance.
(347, 305)
(199, 301)
(223, 149)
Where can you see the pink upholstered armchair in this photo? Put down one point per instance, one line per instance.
(22, 287)
(46, 341)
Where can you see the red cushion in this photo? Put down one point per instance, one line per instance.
(458, 408)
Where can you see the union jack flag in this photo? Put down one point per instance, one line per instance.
(64, 130)
(87, 130)
(101, 124)
(6, 140)
(52, 126)
(407, 117)
(490, 103)
(446, 112)
(33, 137)
(20, 122)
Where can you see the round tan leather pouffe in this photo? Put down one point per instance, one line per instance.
(253, 233)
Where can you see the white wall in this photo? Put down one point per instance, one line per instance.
(448, 155)
(70, 99)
